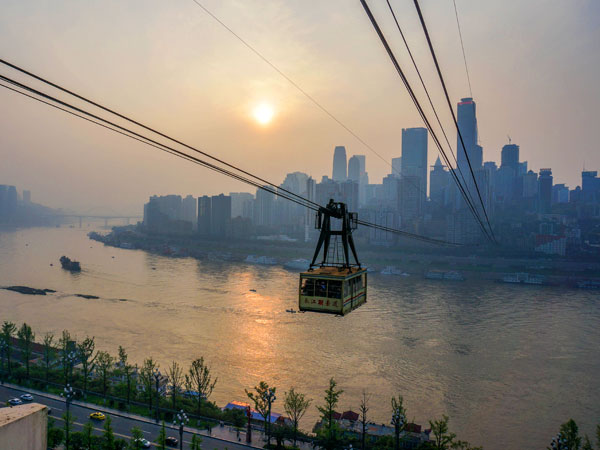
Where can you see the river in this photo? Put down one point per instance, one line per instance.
(508, 364)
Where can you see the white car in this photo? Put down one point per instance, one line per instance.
(27, 397)
(145, 443)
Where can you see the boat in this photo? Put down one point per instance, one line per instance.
(393, 270)
(266, 260)
(451, 275)
(70, 265)
(588, 284)
(523, 278)
(297, 264)
(293, 311)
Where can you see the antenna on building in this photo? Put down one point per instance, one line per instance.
(509, 139)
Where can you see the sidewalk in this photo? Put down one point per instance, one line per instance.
(224, 433)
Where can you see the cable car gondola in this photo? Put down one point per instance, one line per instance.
(334, 286)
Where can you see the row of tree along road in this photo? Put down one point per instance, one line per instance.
(98, 377)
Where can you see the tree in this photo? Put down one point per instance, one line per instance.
(88, 435)
(136, 438)
(65, 348)
(587, 445)
(196, 441)
(295, 405)
(329, 431)
(127, 370)
(199, 379)
(108, 437)
(161, 440)
(68, 426)
(8, 330)
(176, 378)
(48, 352)
(55, 435)
(104, 362)
(27, 337)
(146, 377)
(262, 403)
(398, 418)
(85, 353)
(364, 409)
(570, 433)
(442, 437)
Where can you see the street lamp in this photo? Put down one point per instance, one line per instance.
(70, 359)
(269, 397)
(68, 395)
(157, 376)
(398, 420)
(180, 421)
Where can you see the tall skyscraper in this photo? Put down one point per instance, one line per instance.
(467, 124)
(545, 190)
(510, 157)
(339, 164)
(414, 159)
(354, 169)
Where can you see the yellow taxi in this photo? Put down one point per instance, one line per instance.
(97, 416)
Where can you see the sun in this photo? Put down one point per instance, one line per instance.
(263, 113)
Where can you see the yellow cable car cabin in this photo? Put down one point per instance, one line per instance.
(335, 285)
(328, 290)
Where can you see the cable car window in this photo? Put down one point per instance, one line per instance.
(320, 288)
(308, 287)
(335, 289)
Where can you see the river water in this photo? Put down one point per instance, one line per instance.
(508, 364)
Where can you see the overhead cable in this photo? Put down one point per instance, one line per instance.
(439, 71)
(422, 113)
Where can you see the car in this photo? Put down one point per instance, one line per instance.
(27, 397)
(145, 443)
(15, 401)
(171, 441)
(97, 415)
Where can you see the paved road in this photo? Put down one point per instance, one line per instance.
(121, 424)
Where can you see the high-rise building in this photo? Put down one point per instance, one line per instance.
(590, 186)
(560, 193)
(204, 215)
(438, 182)
(397, 166)
(26, 196)
(510, 157)
(263, 208)
(354, 169)
(467, 124)
(220, 215)
(188, 210)
(339, 164)
(242, 204)
(414, 165)
(545, 190)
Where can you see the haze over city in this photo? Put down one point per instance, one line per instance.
(533, 68)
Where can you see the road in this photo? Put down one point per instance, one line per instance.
(121, 423)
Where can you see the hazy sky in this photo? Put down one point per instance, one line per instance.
(534, 69)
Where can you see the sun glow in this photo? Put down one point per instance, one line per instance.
(263, 113)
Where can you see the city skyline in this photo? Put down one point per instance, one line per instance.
(188, 102)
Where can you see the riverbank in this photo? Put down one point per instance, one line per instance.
(546, 272)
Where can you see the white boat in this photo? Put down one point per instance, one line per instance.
(393, 270)
(297, 264)
(267, 260)
(452, 275)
